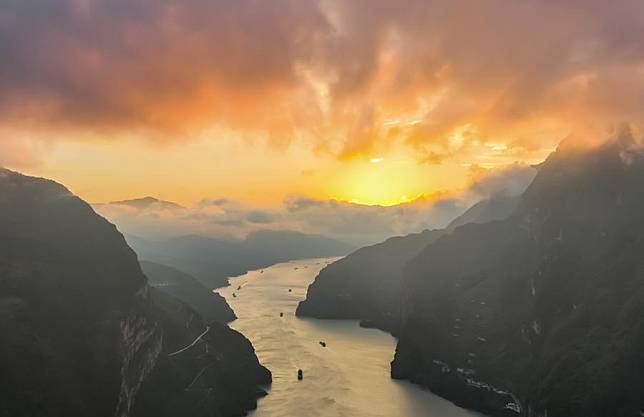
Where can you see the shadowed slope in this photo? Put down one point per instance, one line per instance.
(210, 305)
(365, 285)
(540, 313)
(81, 332)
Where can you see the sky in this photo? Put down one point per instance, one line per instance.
(353, 223)
(370, 102)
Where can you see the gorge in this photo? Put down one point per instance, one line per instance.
(526, 305)
(345, 367)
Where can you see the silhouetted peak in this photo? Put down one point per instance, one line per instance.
(147, 202)
(16, 184)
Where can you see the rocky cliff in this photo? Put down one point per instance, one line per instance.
(203, 370)
(211, 306)
(539, 314)
(83, 334)
(365, 285)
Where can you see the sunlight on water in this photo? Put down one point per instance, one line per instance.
(349, 377)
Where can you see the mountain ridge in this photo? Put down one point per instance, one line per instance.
(212, 261)
(210, 305)
(144, 203)
(84, 334)
(366, 284)
(538, 314)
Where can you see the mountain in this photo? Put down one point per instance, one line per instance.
(366, 285)
(487, 210)
(84, 335)
(147, 203)
(287, 245)
(218, 376)
(212, 260)
(211, 306)
(209, 260)
(539, 314)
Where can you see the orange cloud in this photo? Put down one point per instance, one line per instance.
(352, 78)
(164, 66)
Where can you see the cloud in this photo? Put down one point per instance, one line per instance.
(354, 223)
(510, 180)
(353, 77)
(17, 152)
(164, 65)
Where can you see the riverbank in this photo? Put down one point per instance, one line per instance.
(349, 377)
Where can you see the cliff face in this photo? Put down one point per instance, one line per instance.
(81, 333)
(211, 306)
(366, 285)
(203, 370)
(541, 313)
(498, 207)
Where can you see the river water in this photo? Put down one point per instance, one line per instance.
(347, 378)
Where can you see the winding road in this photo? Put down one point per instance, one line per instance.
(194, 342)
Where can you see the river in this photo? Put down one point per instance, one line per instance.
(347, 378)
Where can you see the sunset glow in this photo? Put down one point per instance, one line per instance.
(262, 101)
(322, 208)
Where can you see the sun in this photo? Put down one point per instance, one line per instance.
(379, 181)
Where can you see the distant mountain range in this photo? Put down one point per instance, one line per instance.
(212, 260)
(537, 314)
(83, 334)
